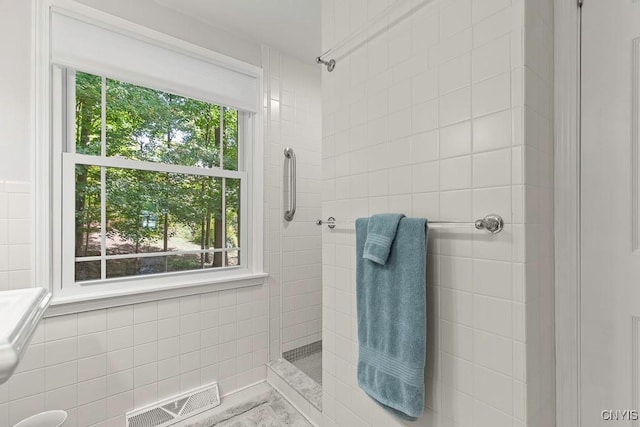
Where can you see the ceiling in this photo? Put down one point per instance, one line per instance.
(291, 26)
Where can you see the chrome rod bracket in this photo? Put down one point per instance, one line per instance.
(492, 223)
(331, 64)
(330, 222)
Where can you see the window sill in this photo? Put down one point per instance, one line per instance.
(62, 304)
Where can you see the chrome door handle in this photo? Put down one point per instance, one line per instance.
(289, 154)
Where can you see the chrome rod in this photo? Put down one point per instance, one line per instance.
(491, 223)
(289, 154)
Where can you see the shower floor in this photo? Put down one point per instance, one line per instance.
(308, 359)
(311, 365)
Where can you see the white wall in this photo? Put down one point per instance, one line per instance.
(538, 205)
(430, 118)
(15, 86)
(293, 119)
(99, 364)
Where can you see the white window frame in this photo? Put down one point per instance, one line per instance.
(50, 97)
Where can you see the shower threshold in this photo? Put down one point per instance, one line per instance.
(298, 381)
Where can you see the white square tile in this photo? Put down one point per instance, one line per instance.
(118, 339)
(19, 231)
(18, 206)
(171, 307)
(145, 312)
(455, 174)
(61, 375)
(92, 344)
(92, 321)
(145, 353)
(456, 205)
(424, 147)
(92, 413)
(424, 117)
(19, 257)
(119, 404)
(119, 382)
(425, 205)
(424, 87)
(144, 375)
(455, 140)
(61, 327)
(92, 390)
(64, 398)
(493, 315)
(486, 415)
(492, 58)
(61, 351)
(493, 389)
(493, 352)
(119, 317)
(457, 306)
(92, 367)
(425, 177)
(491, 95)
(455, 106)
(492, 278)
(492, 169)
(33, 358)
(26, 384)
(455, 74)
(145, 395)
(492, 132)
(455, 16)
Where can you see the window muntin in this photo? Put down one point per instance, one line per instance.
(158, 182)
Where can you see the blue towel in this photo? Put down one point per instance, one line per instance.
(391, 301)
(381, 231)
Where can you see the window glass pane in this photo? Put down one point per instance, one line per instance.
(233, 258)
(88, 109)
(88, 220)
(157, 212)
(232, 197)
(87, 270)
(156, 126)
(230, 147)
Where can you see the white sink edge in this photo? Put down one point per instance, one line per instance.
(12, 347)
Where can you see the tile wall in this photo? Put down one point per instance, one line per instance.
(15, 235)
(428, 117)
(293, 119)
(100, 364)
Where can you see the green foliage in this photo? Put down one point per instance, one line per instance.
(144, 208)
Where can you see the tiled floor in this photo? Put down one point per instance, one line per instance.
(311, 365)
(257, 406)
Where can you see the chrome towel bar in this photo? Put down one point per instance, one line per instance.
(492, 223)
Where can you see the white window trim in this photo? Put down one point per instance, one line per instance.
(47, 237)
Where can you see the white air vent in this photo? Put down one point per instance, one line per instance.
(170, 411)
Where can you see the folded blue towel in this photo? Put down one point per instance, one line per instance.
(391, 302)
(381, 231)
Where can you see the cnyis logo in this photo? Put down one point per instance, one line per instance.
(619, 415)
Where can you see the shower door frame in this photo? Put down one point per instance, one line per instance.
(567, 29)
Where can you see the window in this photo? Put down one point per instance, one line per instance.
(158, 186)
(149, 162)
